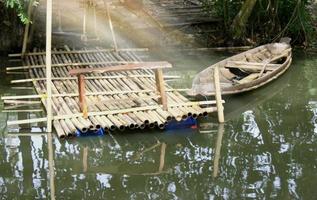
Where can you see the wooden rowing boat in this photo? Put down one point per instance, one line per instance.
(245, 71)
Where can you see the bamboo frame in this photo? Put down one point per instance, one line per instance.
(126, 100)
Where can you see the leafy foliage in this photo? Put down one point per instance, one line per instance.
(270, 19)
(21, 7)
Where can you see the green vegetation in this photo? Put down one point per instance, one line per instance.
(261, 21)
(21, 8)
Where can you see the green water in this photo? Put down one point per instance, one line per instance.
(268, 150)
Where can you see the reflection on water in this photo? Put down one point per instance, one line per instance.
(267, 149)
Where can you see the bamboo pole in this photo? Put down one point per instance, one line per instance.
(48, 64)
(15, 102)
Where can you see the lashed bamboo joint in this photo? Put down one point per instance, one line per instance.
(117, 92)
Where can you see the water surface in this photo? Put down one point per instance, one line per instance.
(266, 149)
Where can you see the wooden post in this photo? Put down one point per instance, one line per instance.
(51, 165)
(27, 28)
(111, 27)
(82, 95)
(161, 87)
(218, 95)
(49, 65)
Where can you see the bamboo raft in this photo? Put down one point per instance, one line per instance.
(115, 100)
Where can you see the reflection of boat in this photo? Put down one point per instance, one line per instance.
(246, 71)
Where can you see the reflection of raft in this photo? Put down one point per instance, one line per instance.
(246, 71)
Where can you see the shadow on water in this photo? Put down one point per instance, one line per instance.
(266, 149)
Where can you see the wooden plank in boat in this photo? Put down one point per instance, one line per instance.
(253, 63)
(247, 66)
(249, 78)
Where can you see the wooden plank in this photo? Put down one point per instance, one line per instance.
(247, 67)
(161, 87)
(252, 63)
(249, 78)
(218, 95)
(133, 66)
